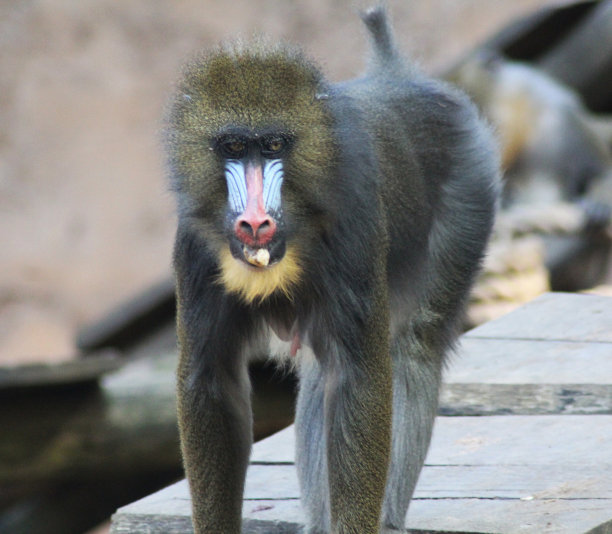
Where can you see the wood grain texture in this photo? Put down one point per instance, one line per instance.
(536, 460)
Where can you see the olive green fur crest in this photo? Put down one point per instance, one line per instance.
(255, 78)
(261, 88)
(256, 86)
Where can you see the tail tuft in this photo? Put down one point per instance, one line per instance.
(375, 19)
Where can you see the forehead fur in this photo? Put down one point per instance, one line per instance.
(250, 84)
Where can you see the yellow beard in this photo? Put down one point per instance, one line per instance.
(257, 284)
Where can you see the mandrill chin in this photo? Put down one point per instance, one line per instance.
(349, 220)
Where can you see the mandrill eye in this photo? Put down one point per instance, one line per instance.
(273, 146)
(232, 147)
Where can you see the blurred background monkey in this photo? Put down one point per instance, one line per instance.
(557, 160)
(347, 220)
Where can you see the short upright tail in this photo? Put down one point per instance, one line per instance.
(375, 19)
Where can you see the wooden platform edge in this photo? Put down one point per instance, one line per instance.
(149, 524)
(525, 399)
(163, 524)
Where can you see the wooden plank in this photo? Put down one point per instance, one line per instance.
(483, 516)
(525, 399)
(552, 355)
(478, 516)
(69, 373)
(168, 511)
(520, 361)
(456, 439)
(460, 481)
(522, 377)
(522, 440)
(493, 474)
(151, 524)
(493, 440)
(73, 452)
(277, 449)
(554, 317)
(538, 474)
(128, 425)
(131, 321)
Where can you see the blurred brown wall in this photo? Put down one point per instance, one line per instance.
(85, 216)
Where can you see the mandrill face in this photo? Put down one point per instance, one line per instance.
(255, 261)
(251, 152)
(253, 168)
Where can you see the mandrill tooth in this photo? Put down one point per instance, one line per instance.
(259, 258)
(262, 257)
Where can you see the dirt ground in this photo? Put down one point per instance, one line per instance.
(85, 216)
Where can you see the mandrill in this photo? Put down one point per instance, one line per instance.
(346, 220)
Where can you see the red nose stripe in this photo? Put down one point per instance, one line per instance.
(254, 226)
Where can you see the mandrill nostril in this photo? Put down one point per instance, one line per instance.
(255, 230)
(265, 230)
(246, 227)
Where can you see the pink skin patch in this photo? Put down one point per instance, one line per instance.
(296, 344)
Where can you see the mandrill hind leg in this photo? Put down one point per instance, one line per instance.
(311, 460)
(416, 381)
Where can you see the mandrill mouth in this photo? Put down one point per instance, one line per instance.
(253, 282)
(258, 256)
